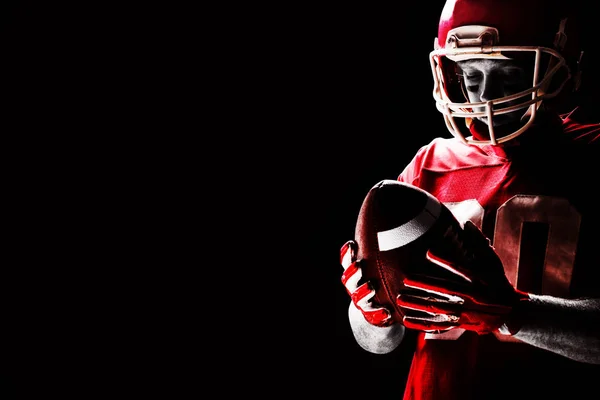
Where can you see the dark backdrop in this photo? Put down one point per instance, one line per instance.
(166, 165)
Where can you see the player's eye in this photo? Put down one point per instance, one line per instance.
(472, 78)
(472, 88)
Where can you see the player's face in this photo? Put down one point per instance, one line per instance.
(486, 79)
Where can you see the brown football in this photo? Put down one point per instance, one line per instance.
(396, 225)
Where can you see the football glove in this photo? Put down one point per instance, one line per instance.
(361, 293)
(479, 298)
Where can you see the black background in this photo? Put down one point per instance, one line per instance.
(182, 181)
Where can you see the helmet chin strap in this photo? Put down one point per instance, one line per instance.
(527, 114)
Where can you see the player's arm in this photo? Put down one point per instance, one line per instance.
(567, 327)
(371, 324)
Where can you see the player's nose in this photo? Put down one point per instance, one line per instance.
(490, 89)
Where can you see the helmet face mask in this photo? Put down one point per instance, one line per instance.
(478, 77)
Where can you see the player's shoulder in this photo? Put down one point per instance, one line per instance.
(581, 127)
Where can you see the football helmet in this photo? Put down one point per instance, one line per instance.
(540, 34)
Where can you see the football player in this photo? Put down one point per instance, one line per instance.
(519, 172)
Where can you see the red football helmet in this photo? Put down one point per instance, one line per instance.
(540, 32)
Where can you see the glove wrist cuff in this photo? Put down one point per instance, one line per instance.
(512, 325)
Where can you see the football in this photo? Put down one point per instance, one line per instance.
(396, 225)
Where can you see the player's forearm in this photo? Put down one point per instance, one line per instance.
(372, 338)
(567, 327)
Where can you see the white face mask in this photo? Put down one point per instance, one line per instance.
(495, 86)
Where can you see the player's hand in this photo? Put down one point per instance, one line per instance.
(480, 300)
(361, 292)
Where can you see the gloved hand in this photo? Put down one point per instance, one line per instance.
(360, 292)
(479, 300)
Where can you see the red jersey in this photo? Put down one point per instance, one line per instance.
(537, 204)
